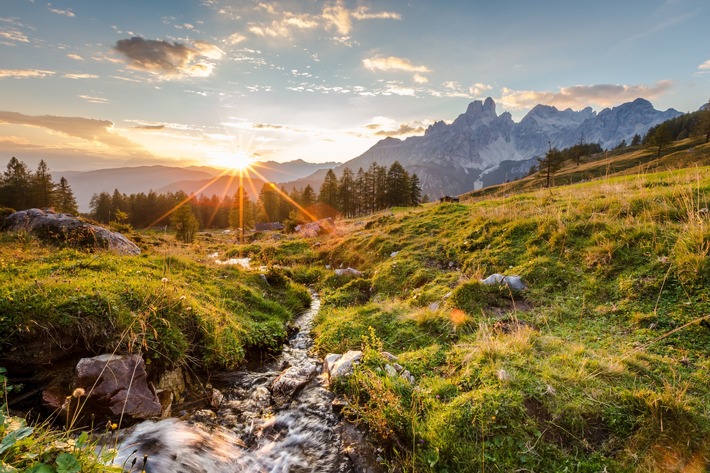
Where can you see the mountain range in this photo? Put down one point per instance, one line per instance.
(481, 148)
(200, 179)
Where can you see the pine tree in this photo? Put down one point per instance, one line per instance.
(308, 197)
(397, 187)
(14, 192)
(64, 199)
(246, 218)
(702, 125)
(269, 203)
(101, 207)
(636, 140)
(185, 223)
(346, 193)
(328, 195)
(660, 137)
(415, 191)
(42, 193)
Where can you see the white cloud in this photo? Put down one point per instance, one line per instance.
(420, 79)
(392, 63)
(92, 99)
(580, 96)
(236, 38)
(67, 12)
(14, 35)
(75, 57)
(479, 88)
(705, 66)
(81, 76)
(25, 73)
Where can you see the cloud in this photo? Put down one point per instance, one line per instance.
(169, 60)
(705, 66)
(580, 96)
(363, 13)
(404, 129)
(420, 79)
(282, 28)
(236, 38)
(13, 35)
(67, 12)
(479, 88)
(335, 16)
(383, 126)
(392, 63)
(92, 99)
(89, 129)
(81, 76)
(76, 57)
(24, 73)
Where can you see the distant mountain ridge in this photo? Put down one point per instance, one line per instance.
(481, 147)
(161, 179)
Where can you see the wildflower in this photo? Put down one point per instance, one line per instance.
(79, 392)
(114, 426)
(165, 280)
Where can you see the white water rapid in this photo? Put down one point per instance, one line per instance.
(279, 419)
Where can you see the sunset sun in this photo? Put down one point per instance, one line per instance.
(233, 161)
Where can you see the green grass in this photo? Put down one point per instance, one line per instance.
(598, 364)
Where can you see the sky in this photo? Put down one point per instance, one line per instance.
(90, 84)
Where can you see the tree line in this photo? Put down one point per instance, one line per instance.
(21, 188)
(349, 195)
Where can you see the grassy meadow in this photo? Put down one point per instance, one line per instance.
(600, 364)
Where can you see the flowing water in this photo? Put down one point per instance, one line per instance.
(276, 419)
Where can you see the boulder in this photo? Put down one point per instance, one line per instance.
(292, 379)
(344, 364)
(348, 272)
(68, 230)
(513, 282)
(117, 384)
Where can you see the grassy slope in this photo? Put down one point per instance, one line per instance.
(603, 371)
(170, 304)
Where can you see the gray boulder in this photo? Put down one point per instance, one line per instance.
(67, 230)
(116, 384)
(513, 282)
(341, 366)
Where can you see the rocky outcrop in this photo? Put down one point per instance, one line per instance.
(117, 384)
(67, 230)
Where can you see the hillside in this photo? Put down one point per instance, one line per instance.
(600, 363)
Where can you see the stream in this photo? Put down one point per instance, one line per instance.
(278, 418)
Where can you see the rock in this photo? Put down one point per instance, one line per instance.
(173, 381)
(68, 230)
(397, 367)
(329, 361)
(117, 384)
(293, 379)
(345, 364)
(388, 356)
(393, 254)
(513, 282)
(407, 376)
(217, 398)
(313, 229)
(434, 306)
(503, 375)
(348, 272)
(165, 396)
(390, 371)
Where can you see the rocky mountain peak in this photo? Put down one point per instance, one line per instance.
(478, 108)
